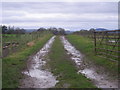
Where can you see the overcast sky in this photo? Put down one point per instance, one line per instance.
(68, 15)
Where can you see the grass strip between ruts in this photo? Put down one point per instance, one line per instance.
(62, 66)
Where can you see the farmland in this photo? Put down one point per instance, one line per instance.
(14, 42)
(54, 60)
(16, 62)
(65, 44)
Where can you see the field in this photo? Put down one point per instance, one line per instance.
(14, 42)
(44, 60)
(16, 62)
(68, 44)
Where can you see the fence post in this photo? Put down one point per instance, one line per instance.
(95, 43)
(106, 34)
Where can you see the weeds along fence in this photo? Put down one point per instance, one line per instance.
(107, 44)
(13, 42)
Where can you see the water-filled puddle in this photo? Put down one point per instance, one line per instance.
(100, 80)
(75, 54)
(36, 76)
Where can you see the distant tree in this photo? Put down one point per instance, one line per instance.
(4, 29)
(53, 30)
(12, 30)
(23, 31)
(19, 31)
(41, 29)
(61, 31)
(92, 30)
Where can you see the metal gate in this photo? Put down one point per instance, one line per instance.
(107, 44)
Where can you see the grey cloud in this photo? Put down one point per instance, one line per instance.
(14, 12)
(61, 7)
(74, 19)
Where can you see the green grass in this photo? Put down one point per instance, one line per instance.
(9, 35)
(86, 46)
(63, 67)
(0, 73)
(16, 62)
(21, 39)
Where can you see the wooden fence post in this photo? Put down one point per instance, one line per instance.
(95, 43)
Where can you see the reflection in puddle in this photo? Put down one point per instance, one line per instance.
(37, 77)
(100, 80)
(75, 54)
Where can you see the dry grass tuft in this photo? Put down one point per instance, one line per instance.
(30, 44)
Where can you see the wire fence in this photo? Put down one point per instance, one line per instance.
(13, 42)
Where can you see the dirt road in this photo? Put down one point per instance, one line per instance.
(36, 76)
(101, 80)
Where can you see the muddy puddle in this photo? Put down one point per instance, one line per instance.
(75, 54)
(100, 80)
(36, 76)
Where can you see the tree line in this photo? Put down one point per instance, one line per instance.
(13, 30)
(87, 33)
(55, 31)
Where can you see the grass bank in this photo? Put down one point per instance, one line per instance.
(86, 46)
(16, 62)
(63, 67)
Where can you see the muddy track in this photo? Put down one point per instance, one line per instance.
(36, 76)
(101, 80)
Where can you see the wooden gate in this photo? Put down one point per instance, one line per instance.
(107, 44)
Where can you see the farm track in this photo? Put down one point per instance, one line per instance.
(36, 76)
(101, 80)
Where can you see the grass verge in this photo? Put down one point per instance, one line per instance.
(16, 62)
(86, 46)
(63, 67)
